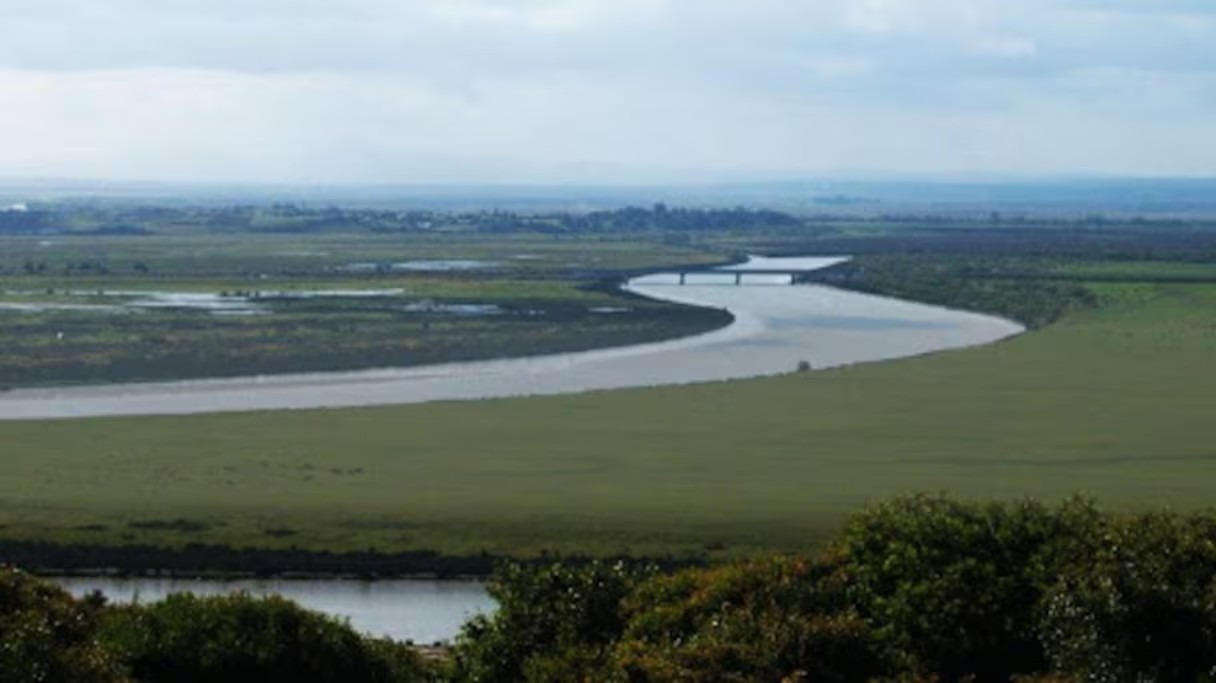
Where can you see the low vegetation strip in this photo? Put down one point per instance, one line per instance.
(919, 588)
(1035, 299)
(195, 559)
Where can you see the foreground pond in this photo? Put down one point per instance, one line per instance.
(422, 611)
(777, 329)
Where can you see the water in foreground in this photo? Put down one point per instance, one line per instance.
(422, 611)
(777, 329)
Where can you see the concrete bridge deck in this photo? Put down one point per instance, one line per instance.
(738, 274)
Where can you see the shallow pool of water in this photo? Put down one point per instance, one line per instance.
(422, 611)
(424, 266)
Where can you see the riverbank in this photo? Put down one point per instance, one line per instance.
(218, 562)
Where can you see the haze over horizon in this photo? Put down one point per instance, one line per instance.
(604, 91)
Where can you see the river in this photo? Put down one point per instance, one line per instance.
(777, 328)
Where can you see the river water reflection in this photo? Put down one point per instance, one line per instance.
(422, 611)
(777, 328)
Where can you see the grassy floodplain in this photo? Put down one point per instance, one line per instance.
(1116, 401)
(80, 309)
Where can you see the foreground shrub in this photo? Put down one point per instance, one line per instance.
(768, 620)
(1143, 608)
(552, 623)
(47, 636)
(952, 588)
(188, 639)
(916, 589)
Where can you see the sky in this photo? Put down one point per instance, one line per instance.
(604, 91)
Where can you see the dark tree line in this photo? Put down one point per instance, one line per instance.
(24, 222)
(660, 218)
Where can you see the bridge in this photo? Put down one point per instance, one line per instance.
(738, 274)
(735, 273)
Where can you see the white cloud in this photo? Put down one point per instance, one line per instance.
(517, 90)
(549, 15)
(914, 16)
(838, 66)
(1007, 47)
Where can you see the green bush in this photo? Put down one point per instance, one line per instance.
(951, 588)
(922, 588)
(188, 639)
(1143, 608)
(47, 636)
(767, 620)
(549, 619)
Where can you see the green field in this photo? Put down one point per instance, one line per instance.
(254, 257)
(1117, 402)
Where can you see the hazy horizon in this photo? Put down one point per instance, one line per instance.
(605, 92)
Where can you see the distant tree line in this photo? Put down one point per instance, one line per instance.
(660, 218)
(24, 222)
(120, 220)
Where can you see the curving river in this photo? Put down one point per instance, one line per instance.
(777, 327)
